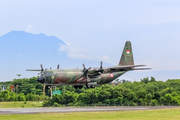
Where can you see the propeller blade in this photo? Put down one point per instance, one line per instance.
(101, 65)
(85, 71)
(84, 67)
(89, 68)
(42, 68)
(58, 66)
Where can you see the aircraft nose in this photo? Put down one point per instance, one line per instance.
(41, 80)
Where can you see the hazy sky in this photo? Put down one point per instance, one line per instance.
(98, 29)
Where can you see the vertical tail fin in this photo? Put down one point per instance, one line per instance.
(127, 55)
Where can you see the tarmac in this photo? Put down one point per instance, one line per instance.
(7, 111)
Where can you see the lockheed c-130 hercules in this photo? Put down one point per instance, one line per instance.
(91, 76)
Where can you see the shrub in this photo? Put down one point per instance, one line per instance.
(47, 103)
(154, 102)
(55, 104)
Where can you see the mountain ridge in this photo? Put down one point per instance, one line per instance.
(20, 50)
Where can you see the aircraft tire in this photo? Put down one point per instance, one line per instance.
(75, 87)
(92, 86)
(80, 87)
(88, 86)
(48, 87)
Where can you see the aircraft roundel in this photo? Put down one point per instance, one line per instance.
(128, 51)
(111, 75)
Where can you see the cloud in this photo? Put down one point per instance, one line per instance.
(73, 52)
(29, 28)
(105, 58)
(67, 43)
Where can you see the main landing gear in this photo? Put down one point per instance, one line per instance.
(90, 86)
(78, 86)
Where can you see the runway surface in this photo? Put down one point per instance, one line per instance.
(74, 109)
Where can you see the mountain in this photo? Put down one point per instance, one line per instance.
(20, 43)
(20, 50)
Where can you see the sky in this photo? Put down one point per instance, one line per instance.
(98, 29)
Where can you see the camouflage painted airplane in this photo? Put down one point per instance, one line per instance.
(91, 76)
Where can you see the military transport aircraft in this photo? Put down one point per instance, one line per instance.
(91, 76)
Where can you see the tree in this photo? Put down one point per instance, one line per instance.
(21, 97)
(154, 102)
(167, 98)
(145, 80)
(4, 95)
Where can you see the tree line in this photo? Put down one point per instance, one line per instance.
(148, 91)
(125, 93)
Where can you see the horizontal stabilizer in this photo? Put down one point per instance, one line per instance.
(33, 69)
(141, 68)
(124, 67)
(128, 68)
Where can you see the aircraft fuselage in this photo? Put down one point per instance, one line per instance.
(74, 77)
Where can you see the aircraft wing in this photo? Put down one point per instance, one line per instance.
(33, 69)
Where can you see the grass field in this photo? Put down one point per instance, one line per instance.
(28, 104)
(162, 114)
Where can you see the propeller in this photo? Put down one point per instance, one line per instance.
(58, 66)
(100, 69)
(85, 70)
(41, 79)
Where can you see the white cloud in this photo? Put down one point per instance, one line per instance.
(73, 52)
(29, 28)
(105, 58)
(67, 43)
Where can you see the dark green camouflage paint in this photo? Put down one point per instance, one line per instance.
(76, 76)
(127, 55)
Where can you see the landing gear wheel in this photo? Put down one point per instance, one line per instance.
(88, 86)
(48, 86)
(78, 86)
(75, 87)
(92, 86)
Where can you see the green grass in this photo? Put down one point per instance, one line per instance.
(29, 104)
(162, 114)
